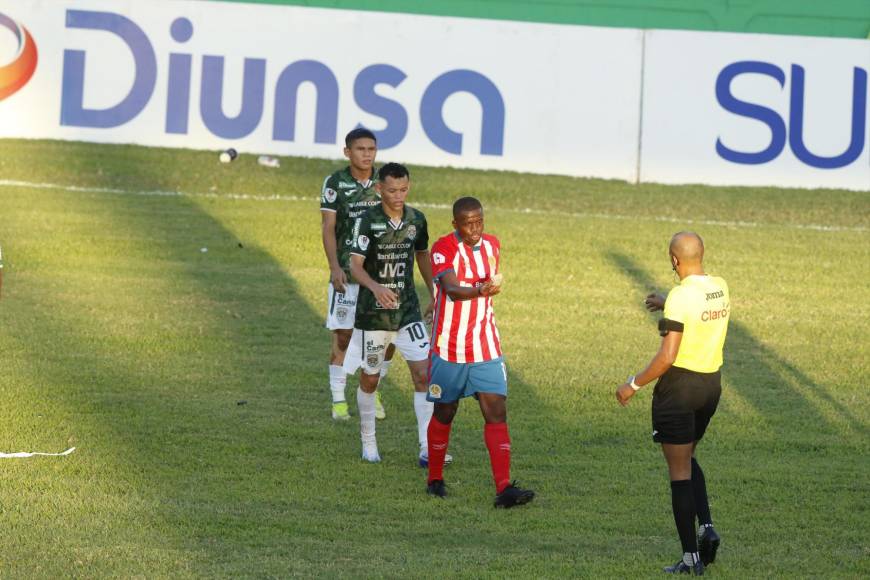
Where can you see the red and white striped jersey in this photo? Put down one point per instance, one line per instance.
(464, 331)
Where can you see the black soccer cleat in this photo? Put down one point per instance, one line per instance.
(708, 543)
(682, 568)
(437, 488)
(512, 496)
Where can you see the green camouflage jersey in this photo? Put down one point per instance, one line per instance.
(349, 199)
(389, 253)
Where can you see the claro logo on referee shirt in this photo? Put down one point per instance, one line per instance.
(709, 315)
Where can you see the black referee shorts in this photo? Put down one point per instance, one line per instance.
(683, 403)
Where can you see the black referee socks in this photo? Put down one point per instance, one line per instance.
(683, 502)
(699, 488)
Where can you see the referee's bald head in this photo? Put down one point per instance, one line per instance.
(687, 247)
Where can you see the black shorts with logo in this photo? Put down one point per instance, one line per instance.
(683, 403)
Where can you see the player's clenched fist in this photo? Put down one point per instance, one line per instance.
(654, 302)
(624, 393)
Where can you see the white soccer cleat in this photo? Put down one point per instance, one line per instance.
(370, 452)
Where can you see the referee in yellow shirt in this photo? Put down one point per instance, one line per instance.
(687, 393)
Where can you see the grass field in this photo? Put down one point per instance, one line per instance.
(120, 336)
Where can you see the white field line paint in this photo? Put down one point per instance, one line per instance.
(19, 454)
(528, 211)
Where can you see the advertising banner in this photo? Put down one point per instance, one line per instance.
(747, 109)
(293, 81)
(656, 106)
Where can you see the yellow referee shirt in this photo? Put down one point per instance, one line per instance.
(703, 306)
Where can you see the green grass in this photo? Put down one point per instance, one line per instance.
(120, 336)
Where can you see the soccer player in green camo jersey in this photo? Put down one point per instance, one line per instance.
(345, 196)
(388, 239)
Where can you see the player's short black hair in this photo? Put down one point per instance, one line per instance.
(359, 133)
(394, 170)
(465, 204)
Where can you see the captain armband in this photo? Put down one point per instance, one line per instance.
(665, 326)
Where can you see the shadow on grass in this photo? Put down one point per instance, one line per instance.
(763, 378)
(202, 386)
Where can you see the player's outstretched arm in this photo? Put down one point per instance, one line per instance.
(382, 294)
(336, 274)
(659, 365)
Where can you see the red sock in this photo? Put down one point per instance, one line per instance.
(439, 436)
(498, 441)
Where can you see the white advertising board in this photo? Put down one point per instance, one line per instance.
(659, 106)
(293, 80)
(747, 109)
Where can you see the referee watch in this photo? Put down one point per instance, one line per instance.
(634, 386)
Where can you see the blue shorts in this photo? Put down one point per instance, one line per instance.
(449, 382)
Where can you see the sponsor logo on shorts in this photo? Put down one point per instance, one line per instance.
(344, 300)
(372, 360)
(329, 194)
(435, 391)
(372, 347)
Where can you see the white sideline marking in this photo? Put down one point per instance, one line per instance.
(529, 211)
(32, 453)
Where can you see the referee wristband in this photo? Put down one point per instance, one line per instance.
(634, 386)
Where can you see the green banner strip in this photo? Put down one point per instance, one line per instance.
(835, 18)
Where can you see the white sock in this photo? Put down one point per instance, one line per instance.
(423, 409)
(385, 366)
(337, 382)
(366, 404)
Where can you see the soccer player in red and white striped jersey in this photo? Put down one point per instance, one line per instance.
(464, 330)
(465, 357)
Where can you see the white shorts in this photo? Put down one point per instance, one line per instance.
(342, 307)
(368, 347)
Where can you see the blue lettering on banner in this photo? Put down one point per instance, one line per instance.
(455, 81)
(178, 95)
(776, 124)
(326, 113)
(211, 97)
(249, 117)
(389, 110)
(73, 111)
